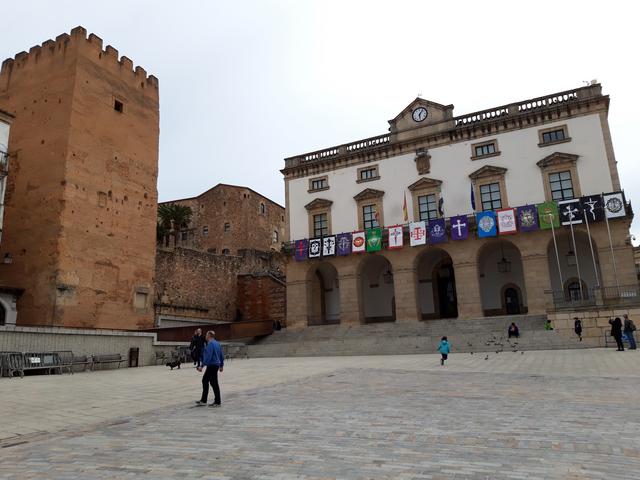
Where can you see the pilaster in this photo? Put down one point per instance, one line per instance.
(468, 289)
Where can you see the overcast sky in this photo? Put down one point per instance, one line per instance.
(244, 84)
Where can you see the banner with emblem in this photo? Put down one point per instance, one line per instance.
(459, 227)
(507, 224)
(614, 205)
(486, 222)
(592, 208)
(437, 231)
(570, 212)
(548, 215)
(374, 239)
(358, 242)
(395, 237)
(527, 218)
(329, 246)
(301, 250)
(343, 244)
(417, 233)
(315, 247)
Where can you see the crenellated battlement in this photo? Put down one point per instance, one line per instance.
(77, 40)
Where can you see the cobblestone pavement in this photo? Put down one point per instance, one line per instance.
(542, 415)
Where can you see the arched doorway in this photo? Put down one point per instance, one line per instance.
(377, 293)
(501, 279)
(436, 285)
(324, 295)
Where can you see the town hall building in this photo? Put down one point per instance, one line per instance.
(516, 209)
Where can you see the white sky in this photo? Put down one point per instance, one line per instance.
(244, 84)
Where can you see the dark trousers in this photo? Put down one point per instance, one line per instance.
(210, 377)
(619, 341)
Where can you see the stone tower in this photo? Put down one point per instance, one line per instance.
(81, 201)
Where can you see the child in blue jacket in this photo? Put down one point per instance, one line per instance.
(444, 349)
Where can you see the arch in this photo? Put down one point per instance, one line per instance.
(377, 292)
(323, 295)
(500, 269)
(575, 290)
(590, 274)
(435, 277)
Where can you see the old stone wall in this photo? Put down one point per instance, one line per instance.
(262, 297)
(595, 322)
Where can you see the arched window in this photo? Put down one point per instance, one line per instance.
(275, 236)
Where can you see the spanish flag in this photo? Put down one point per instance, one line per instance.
(405, 212)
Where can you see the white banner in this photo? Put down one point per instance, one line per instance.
(328, 246)
(417, 233)
(315, 247)
(395, 237)
(358, 242)
(507, 221)
(614, 205)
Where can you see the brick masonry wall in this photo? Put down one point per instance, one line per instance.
(262, 297)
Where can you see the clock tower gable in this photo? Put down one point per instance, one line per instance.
(421, 117)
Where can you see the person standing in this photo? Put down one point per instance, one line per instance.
(577, 327)
(629, 328)
(197, 346)
(616, 332)
(444, 348)
(212, 362)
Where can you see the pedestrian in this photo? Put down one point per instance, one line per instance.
(577, 327)
(513, 331)
(444, 348)
(629, 328)
(616, 332)
(212, 362)
(196, 347)
(547, 325)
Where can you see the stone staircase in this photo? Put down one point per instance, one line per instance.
(478, 335)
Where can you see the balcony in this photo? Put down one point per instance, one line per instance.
(609, 297)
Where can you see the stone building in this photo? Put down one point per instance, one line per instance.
(81, 200)
(229, 218)
(462, 176)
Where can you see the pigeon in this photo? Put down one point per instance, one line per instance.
(521, 353)
(487, 357)
(471, 353)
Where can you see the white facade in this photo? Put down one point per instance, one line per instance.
(452, 165)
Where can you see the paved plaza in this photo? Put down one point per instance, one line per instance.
(539, 415)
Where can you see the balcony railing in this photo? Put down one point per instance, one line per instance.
(610, 296)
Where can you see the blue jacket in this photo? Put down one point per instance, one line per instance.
(212, 354)
(444, 347)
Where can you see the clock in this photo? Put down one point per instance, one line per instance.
(419, 114)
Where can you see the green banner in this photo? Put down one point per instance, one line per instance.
(374, 240)
(547, 213)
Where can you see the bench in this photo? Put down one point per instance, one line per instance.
(47, 361)
(68, 360)
(107, 358)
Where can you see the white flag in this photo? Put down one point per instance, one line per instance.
(507, 221)
(417, 233)
(614, 205)
(395, 237)
(358, 242)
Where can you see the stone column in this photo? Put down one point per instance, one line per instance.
(297, 304)
(350, 312)
(468, 290)
(536, 280)
(405, 287)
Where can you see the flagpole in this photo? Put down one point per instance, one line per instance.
(555, 245)
(613, 256)
(575, 253)
(593, 256)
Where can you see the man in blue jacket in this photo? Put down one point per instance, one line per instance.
(212, 361)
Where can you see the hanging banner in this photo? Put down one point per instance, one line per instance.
(329, 246)
(507, 221)
(592, 208)
(301, 250)
(527, 218)
(315, 247)
(548, 214)
(570, 212)
(395, 237)
(417, 233)
(343, 244)
(437, 231)
(358, 242)
(614, 205)
(459, 227)
(374, 239)
(486, 224)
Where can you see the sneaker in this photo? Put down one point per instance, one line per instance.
(200, 403)
(214, 405)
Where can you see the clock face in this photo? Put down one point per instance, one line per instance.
(419, 114)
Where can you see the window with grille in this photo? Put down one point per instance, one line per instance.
(487, 149)
(553, 136)
(491, 198)
(227, 227)
(205, 231)
(561, 185)
(368, 173)
(427, 207)
(319, 184)
(320, 225)
(369, 216)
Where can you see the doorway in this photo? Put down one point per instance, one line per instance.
(512, 301)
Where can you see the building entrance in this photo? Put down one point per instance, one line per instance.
(512, 301)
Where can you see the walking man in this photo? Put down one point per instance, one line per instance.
(212, 362)
(577, 327)
(629, 328)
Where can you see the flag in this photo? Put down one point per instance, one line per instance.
(358, 242)
(548, 214)
(417, 233)
(329, 246)
(486, 224)
(593, 208)
(473, 199)
(437, 231)
(614, 205)
(315, 247)
(459, 227)
(441, 207)
(405, 211)
(302, 249)
(570, 212)
(395, 237)
(507, 221)
(343, 244)
(527, 218)
(374, 239)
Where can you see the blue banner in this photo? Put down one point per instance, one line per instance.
(486, 222)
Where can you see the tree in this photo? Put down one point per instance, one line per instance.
(172, 218)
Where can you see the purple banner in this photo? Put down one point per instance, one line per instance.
(343, 244)
(302, 247)
(528, 218)
(437, 231)
(459, 227)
